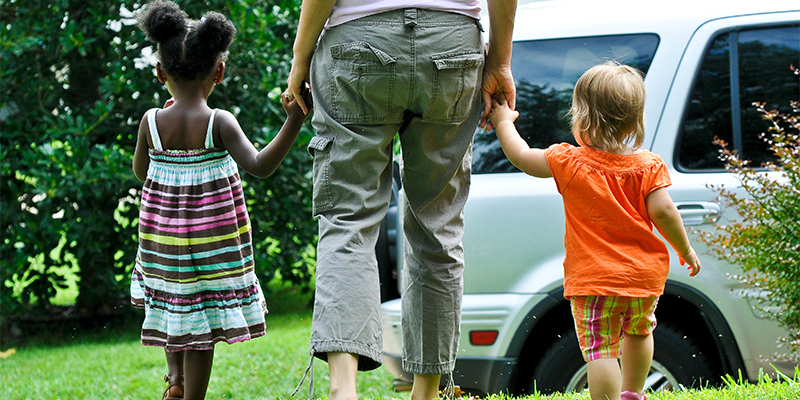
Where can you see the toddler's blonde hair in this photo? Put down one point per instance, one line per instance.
(608, 107)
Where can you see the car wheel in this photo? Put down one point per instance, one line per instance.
(676, 361)
(386, 246)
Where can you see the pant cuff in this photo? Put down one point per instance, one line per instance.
(369, 358)
(429, 369)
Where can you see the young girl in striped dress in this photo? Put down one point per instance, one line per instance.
(194, 273)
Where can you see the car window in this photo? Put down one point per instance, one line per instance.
(545, 72)
(756, 68)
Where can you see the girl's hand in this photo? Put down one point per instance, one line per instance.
(501, 112)
(690, 258)
(293, 106)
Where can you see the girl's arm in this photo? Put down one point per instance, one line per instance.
(141, 160)
(262, 163)
(667, 219)
(528, 160)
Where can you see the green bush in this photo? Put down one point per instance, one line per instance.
(765, 241)
(75, 83)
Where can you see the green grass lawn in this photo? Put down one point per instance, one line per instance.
(113, 365)
(119, 367)
(110, 363)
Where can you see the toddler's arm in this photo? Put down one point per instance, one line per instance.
(667, 219)
(262, 163)
(528, 160)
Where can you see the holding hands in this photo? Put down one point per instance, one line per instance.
(297, 106)
(501, 112)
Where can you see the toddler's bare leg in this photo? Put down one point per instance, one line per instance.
(604, 379)
(636, 357)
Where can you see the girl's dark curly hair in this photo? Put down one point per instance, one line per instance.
(188, 49)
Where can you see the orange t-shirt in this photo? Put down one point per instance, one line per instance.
(610, 246)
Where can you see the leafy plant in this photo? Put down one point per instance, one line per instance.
(765, 241)
(77, 77)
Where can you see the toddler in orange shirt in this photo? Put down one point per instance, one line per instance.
(614, 192)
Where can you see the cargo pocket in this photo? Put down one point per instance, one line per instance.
(456, 81)
(361, 84)
(322, 196)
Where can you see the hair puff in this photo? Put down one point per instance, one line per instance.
(162, 20)
(215, 32)
(187, 49)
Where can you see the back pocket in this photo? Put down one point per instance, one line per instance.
(362, 83)
(456, 82)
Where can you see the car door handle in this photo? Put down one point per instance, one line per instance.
(699, 212)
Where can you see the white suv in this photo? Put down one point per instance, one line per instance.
(706, 62)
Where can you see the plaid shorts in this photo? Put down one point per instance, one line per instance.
(602, 321)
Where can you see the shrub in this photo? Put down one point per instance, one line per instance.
(765, 241)
(76, 81)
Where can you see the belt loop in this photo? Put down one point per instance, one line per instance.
(410, 17)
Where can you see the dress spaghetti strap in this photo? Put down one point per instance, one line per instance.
(151, 123)
(210, 132)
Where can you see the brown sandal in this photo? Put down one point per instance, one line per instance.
(168, 391)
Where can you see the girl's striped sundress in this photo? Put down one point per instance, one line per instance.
(194, 271)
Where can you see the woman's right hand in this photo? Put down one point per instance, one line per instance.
(297, 82)
(291, 103)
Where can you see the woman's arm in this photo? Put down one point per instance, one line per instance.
(313, 15)
(498, 82)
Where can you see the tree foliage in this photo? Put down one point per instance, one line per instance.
(765, 241)
(76, 79)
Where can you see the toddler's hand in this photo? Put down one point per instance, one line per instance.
(691, 259)
(501, 112)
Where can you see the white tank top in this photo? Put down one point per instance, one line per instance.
(348, 10)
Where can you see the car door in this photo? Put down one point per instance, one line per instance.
(728, 65)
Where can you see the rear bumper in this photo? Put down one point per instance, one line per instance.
(480, 369)
(478, 376)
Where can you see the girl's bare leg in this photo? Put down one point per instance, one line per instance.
(175, 373)
(197, 368)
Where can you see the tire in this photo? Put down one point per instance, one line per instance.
(387, 269)
(677, 361)
(386, 246)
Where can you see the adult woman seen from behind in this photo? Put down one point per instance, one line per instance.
(377, 69)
